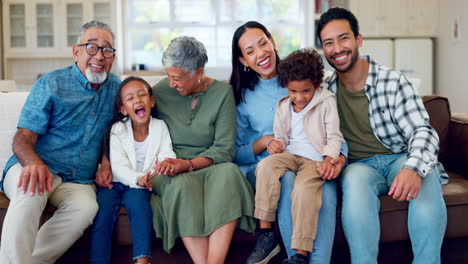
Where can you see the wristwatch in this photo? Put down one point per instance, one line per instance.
(190, 169)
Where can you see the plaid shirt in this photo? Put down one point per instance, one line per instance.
(398, 118)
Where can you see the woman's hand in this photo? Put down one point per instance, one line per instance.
(178, 166)
(261, 144)
(165, 167)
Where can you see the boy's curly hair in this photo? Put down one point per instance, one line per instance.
(303, 64)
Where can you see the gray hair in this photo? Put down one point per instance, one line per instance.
(185, 52)
(95, 24)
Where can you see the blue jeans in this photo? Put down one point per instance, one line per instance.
(323, 244)
(136, 201)
(367, 179)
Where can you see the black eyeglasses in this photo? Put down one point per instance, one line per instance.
(92, 49)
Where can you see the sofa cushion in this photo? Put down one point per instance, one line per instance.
(438, 109)
(455, 193)
(4, 202)
(456, 200)
(10, 109)
(459, 144)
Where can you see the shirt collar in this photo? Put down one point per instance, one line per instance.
(268, 84)
(373, 72)
(202, 93)
(371, 76)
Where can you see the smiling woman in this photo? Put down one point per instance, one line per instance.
(206, 196)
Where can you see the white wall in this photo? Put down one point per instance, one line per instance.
(452, 55)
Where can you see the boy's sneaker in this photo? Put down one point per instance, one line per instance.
(265, 248)
(296, 259)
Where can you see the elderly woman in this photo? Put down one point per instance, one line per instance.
(206, 196)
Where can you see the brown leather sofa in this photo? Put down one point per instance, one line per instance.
(453, 134)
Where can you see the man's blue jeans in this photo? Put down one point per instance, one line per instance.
(363, 182)
(136, 201)
(321, 253)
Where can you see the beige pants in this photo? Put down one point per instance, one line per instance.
(22, 242)
(306, 196)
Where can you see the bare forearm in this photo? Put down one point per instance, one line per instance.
(23, 147)
(105, 163)
(199, 163)
(260, 144)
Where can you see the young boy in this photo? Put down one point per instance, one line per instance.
(307, 132)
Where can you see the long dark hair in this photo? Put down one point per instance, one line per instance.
(118, 116)
(240, 79)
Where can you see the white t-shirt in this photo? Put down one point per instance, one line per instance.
(299, 144)
(140, 153)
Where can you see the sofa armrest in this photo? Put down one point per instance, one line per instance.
(459, 143)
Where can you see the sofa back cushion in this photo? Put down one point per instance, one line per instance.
(10, 110)
(438, 109)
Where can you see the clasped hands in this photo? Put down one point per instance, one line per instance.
(168, 167)
(328, 169)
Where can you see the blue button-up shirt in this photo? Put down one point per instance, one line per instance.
(71, 119)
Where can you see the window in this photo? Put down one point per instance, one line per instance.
(153, 23)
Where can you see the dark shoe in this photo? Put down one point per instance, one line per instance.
(265, 248)
(296, 259)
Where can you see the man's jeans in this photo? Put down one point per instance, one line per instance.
(136, 201)
(321, 253)
(367, 179)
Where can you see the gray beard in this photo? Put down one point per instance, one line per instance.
(95, 77)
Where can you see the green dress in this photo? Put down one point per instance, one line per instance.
(199, 202)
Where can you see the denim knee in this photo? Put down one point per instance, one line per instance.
(358, 181)
(428, 210)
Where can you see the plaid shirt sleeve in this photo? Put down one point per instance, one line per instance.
(413, 121)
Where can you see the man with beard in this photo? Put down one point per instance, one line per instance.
(57, 149)
(392, 148)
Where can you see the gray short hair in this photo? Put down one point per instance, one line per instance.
(95, 24)
(185, 52)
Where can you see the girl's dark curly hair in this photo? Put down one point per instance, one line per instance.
(303, 64)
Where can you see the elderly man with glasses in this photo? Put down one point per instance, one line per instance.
(57, 149)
